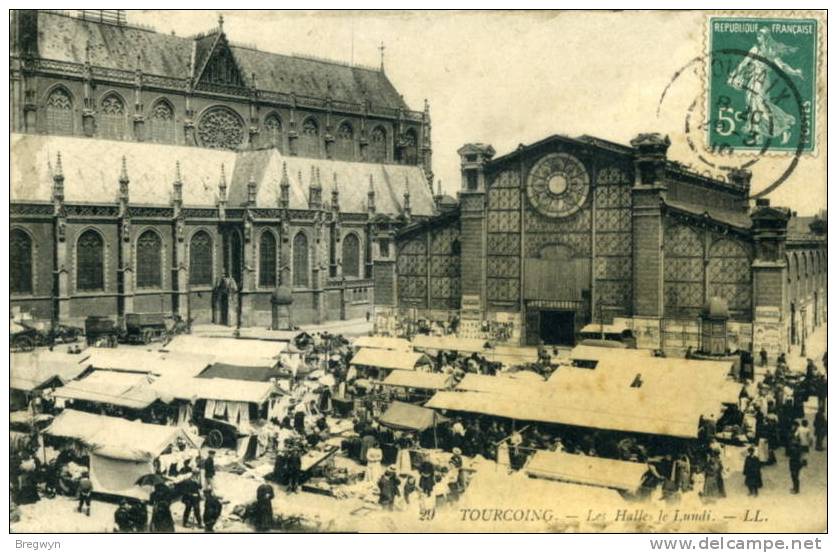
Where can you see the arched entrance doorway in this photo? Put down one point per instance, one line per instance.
(557, 294)
(227, 304)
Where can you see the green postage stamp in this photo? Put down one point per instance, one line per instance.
(762, 84)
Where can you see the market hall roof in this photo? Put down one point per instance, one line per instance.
(91, 169)
(66, 39)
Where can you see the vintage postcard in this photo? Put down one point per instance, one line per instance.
(418, 271)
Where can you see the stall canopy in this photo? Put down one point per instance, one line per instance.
(449, 343)
(511, 355)
(383, 342)
(595, 354)
(657, 396)
(387, 359)
(229, 350)
(162, 363)
(121, 451)
(583, 469)
(128, 390)
(298, 338)
(241, 372)
(36, 370)
(419, 380)
(221, 389)
(406, 416)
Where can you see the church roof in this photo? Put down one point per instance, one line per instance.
(64, 38)
(91, 170)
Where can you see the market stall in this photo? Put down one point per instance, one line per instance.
(425, 342)
(229, 350)
(225, 410)
(160, 363)
(125, 391)
(376, 362)
(406, 416)
(587, 470)
(383, 342)
(122, 452)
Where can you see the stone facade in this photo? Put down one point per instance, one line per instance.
(569, 231)
(144, 175)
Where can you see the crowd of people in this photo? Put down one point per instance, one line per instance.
(405, 474)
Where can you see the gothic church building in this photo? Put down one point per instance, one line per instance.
(148, 168)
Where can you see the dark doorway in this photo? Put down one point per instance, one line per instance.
(233, 256)
(558, 327)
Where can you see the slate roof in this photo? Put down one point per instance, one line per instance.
(64, 38)
(738, 219)
(91, 170)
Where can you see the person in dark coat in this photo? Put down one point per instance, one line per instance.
(299, 421)
(713, 484)
(191, 490)
(293, 467)
(161, 519)
(209, 467)
(388, 486)
(122, 517)
(820, 428)
(211, 510)
(795, 464)
(426, 478)
(139, 515)
(752, 472)
(264, 507)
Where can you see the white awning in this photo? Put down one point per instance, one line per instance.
(449, 343)
(223, 389)
(387, 359)
(418, 379)
(583, 469)
(383, 342)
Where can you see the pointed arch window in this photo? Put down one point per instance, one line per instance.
(200, 259)
(300, 260)
(149, 260)
(162, 123)
(310, 139)
(409, 148)
(273, 131)
(20, 262)
(345, 147)
(378, 145)
(112, 121)
(90, 261)
(267, 259)
(59, 112)
(351, 256)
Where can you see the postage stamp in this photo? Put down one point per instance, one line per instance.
(762, 84)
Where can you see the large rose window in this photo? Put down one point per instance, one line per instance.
(220, 128)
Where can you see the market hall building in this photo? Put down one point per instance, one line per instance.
(147, 167)
(567, 231)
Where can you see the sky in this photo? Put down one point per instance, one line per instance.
(507, 78)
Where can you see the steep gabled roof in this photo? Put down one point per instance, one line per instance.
(64, 38)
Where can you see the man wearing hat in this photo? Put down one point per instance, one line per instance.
(752, 472)
(191, 490)
(388, 486)
(85, 491)
(209, 468)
